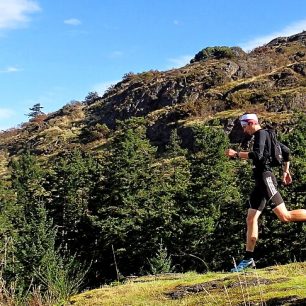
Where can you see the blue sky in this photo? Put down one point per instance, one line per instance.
(56, 51)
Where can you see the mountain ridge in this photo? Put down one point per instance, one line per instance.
(219, 82)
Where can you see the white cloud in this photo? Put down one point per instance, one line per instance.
(100, 88)
(179, 61)
(14, 13)
(6, 113)
(73, 21)
(289, 30)
(10, 70)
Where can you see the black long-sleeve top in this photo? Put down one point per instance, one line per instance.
(261, 152)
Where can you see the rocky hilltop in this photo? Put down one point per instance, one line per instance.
(219, 82)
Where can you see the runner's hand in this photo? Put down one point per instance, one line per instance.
(230, 153)
(287, 179)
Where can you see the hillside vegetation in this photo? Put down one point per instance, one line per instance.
(136, 182)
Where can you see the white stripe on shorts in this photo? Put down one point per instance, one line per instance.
(271, 186)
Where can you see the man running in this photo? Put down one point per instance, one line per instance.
(265, 190)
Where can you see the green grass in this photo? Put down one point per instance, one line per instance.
(285, 283)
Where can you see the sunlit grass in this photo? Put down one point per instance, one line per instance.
(230, 289)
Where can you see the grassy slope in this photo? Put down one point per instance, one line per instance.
(278, 285)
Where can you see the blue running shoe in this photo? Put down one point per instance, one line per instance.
(244, 264)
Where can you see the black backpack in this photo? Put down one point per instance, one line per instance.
(275, 154)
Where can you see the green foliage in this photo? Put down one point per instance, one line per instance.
(140, 199)
(213, 52)
(95, 132)
(125, 204)
(8, 211)
(174, 148)
(162, 262)
(92, 97)
(129, 198)
(61, 276)
(297, 138)
(71, 183)
(128, 76)
(27, 179)
(291, 236)
(213, 188)
(35, 238)
(30, 253)
(36, 110)
(33, 232)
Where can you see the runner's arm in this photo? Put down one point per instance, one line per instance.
(286, 179)
(257, 155)
(237, 154)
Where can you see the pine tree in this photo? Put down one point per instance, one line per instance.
(34, 233)
(71, 184)
(213, 191)
(36, 110)
(126, 199)
(9, 214)
(290, 236)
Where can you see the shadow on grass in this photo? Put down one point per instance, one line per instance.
(218, 285)
(284, 301)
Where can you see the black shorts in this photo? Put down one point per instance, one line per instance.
(265, 192)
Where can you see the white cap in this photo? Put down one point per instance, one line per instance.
(247, 117)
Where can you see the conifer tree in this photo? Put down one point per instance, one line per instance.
(288, 237)
(34, 234)
(71, 184)
(173, 176)
(126, 199)
(212, 190)
(9, 213)
(36, 110)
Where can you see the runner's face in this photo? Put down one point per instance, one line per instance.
(247, 128)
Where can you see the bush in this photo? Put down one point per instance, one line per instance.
(95, 132)
(61, 276)
(213, 52)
